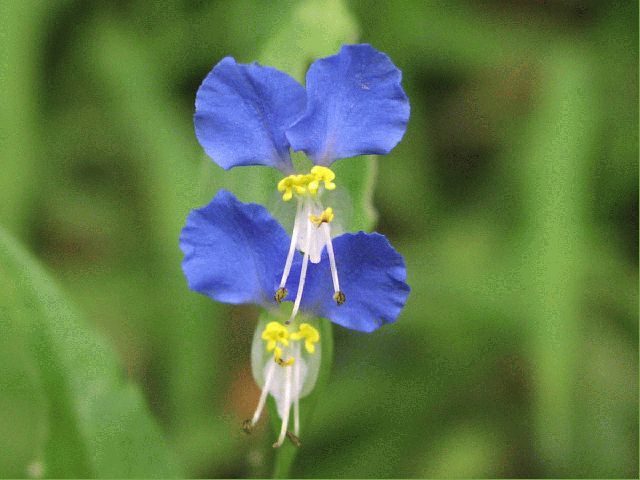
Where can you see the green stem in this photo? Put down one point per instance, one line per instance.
(286, 455)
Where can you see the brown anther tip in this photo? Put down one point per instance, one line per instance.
(280, 294)
(247, 427)
(294, 439)
(339, 297)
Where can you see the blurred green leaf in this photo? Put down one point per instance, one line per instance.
(555, 184)
(513, 198)
(315, 28)
(20, 33)
(97, 423)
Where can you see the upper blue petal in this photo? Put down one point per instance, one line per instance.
(242, 112)
(234, 251)
(355, 106)
(372, 277)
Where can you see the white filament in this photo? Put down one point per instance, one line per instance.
(303, 275)
(332, 258)
(287, 407)
(296, 389)
(263, 394)
(292, 248)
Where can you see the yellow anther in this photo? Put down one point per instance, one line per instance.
(275, 333)
(308, 184)
(285, 185)
(277, 357)
(325, 175)
(309, 334)
(324, 217)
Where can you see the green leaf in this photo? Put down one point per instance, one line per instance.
(96, 423)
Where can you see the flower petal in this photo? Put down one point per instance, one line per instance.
(355, 106)
(372, 276)
(234, 251)
(242, 112)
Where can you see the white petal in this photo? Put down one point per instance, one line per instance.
(317, 239)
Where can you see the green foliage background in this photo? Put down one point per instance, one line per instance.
(513, 197)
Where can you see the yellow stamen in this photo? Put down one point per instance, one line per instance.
(325, 175)
(277, 357)
(274, 333)
(324, 217)
(308, 184)
(309, 334)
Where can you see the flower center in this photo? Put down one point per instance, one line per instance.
(311, 229)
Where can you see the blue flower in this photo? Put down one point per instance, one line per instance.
(252, 115)
(353, 105)
(235, 252)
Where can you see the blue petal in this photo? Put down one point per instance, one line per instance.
(372, 277)
(234, 251)
(242, 112)
(355, 106)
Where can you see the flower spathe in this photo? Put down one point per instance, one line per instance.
(234, 253)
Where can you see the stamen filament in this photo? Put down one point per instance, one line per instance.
(287, 407)
(292, 249)
(332, 258)
(296, 389)
(338, 295)
(303, 275)
(263, 394)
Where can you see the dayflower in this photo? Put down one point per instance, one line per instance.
(234, 254)
(353, 105)
(237, 253)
